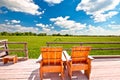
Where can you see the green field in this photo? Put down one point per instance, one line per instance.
(35, 42)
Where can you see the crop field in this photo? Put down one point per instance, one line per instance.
(36, 42)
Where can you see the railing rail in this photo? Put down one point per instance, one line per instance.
(82, 43)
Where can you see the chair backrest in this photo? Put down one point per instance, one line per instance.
(80, 54)
(51, 55)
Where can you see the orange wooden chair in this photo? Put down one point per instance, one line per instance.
(51, 60)
(79, 60)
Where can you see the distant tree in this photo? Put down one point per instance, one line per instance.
(42, 34)
(26, 34)
(56, 34)
(4, 33)
(66, 35)
(17, 34)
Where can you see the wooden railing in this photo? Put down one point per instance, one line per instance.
(103, 48)
(4, 47)
(82, 43)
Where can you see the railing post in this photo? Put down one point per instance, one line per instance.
(6, 47)
(81, 44)
(26, 51)
(47, 44)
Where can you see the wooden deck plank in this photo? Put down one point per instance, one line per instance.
(102, 69)
(106, 69)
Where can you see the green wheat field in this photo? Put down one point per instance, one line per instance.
(34, 43)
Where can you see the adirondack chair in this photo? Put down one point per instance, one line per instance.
(79, 60)
(51, 61)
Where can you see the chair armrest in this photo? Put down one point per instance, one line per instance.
(39, 59)
(67, 57)
(90, 57)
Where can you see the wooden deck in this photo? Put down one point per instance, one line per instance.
(102, 69)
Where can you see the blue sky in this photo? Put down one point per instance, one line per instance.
(76, 17)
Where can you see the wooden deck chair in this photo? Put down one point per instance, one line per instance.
(51, 60)
(79, 60)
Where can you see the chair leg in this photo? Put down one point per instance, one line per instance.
(15, 59)
(41, 74)
(70, 74)
(5, 60)
(64, 64)
(62, 75)
(62, 72)
(69, 71)
(87, 73)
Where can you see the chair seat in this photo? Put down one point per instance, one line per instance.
(79, 66)
(52, 64)
(51, 68)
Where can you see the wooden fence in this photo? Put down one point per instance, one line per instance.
(4, 47)
(115, 48)
(82, 43)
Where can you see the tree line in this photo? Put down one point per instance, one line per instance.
(28, 34)
(21, 34)
(45, 34)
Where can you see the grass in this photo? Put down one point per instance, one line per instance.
(35, 42)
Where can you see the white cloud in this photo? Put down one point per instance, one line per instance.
(67, 24)
(6, 20)
(26, 6)
(74, 28)
(15, 21)
(101, 10)
(113, 22)
(40, 25)
(12, 21)
(104, 17)
(49, 29)
(17, 28)
(40, 17)
(93, 30)
(53, 1)
(69, 27)
(114, 27)
(46, 28)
